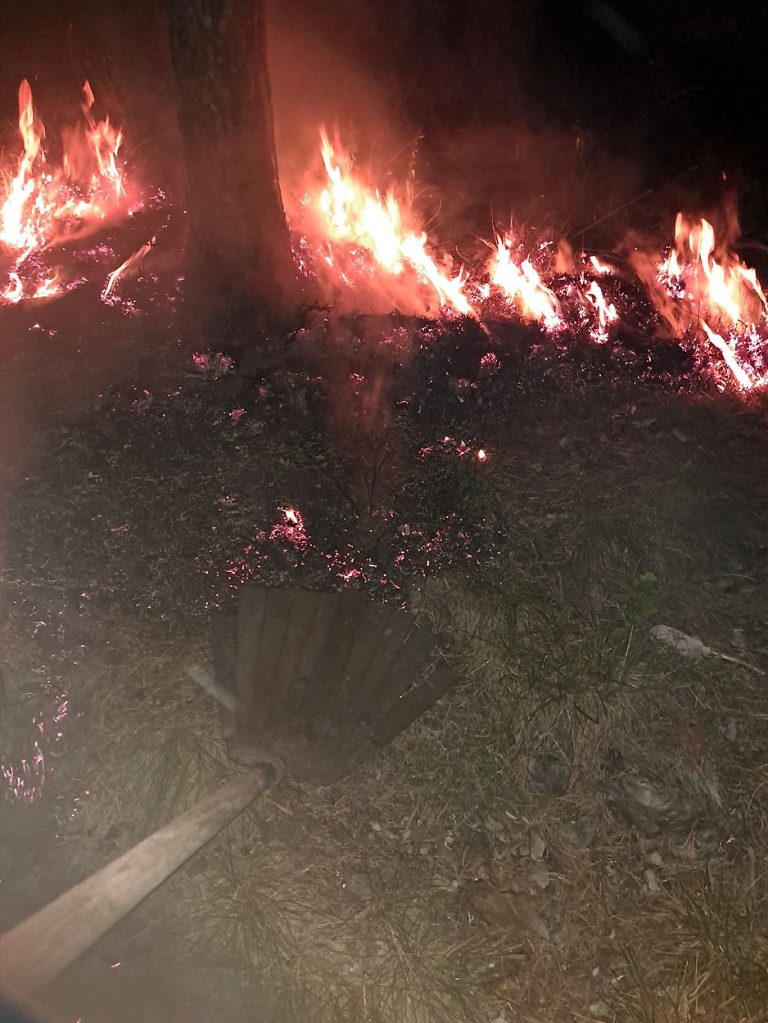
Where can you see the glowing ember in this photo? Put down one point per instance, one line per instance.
(521, 284)
(365, 233)
(291, 529)
(24, 778)
(214, 365)
(131, 264)
(45, 205)
(450, 445)
(490, 364)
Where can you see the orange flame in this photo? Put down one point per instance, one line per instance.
(740, 374)
(598, 267)
(606, 311)
(356, 217)
(723, 287)
(17, 228)
(48, 288)
(13, 292)
(105, 142)
(705, 287)
(44, 204)
(522, 285)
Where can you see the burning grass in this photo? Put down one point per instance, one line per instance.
(366, 250)
(577, 831)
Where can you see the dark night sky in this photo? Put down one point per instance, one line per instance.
(670, 85)
(693, 78)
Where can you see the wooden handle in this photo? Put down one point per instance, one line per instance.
(39, 948)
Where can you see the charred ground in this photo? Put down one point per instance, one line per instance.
(580, 825)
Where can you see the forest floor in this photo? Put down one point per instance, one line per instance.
(578, 831)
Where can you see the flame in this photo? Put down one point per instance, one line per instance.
(14, 290)
(105, 142)
(48, 288)
(522, 285)
(365, 232)
(606, 311)
(46, 204)
(598, 267)
(371, 244)
(17, 228)
(723, 287)
(703, 287)
(743, 378)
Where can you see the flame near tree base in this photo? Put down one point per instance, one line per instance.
(367, 250)
(370, 249)
(46, 205)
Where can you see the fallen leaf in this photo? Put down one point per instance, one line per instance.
(690, 740)
(503, 909)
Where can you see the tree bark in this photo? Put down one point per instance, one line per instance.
(238, 250)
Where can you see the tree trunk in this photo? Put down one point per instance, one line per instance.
(239, 256)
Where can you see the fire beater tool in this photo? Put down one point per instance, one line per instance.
(317, 682)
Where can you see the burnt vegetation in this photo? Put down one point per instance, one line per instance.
(607, 793)
(579, 829)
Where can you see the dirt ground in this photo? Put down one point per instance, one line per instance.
(577, 832)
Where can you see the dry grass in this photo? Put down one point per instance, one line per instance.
(349, 904)
(357, 904)
(653, 927)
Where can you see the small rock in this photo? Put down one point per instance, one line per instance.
(739, 640)
(600, 1010)
(650, 806)
(581, 832)
(558, 933)
(654, 858)
(537, 847)
(357, 886)
(649, 876)
(731, 729)
(701, 843)
(613, 760)
(548, 773)
(540, 876)
(509, 989)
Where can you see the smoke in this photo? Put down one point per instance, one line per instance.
(323, 72)
(582, 119)
(439, 97)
